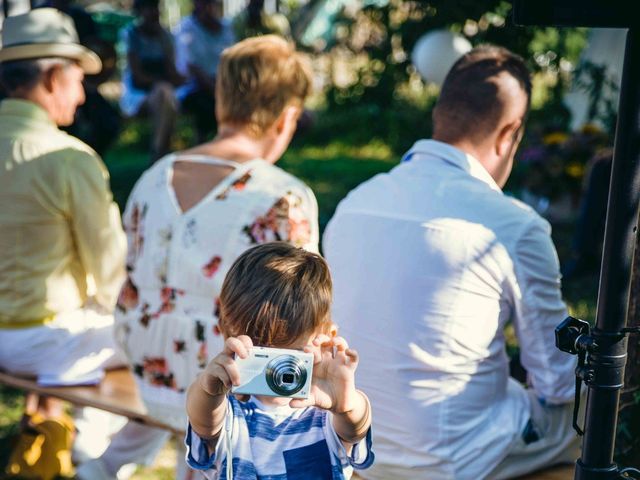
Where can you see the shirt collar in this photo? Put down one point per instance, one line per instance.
(26, 109)
(454, 156)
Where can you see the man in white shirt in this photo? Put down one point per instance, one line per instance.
(429, 263)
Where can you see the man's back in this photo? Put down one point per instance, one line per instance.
(452, 254)
(57, 224)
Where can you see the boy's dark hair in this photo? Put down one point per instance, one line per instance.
(469, 105)
(276, 293)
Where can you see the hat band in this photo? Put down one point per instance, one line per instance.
(48, 42)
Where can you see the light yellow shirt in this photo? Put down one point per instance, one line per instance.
(59, 226)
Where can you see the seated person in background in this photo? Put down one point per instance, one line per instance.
(586, 251)
(254, 21)
(430, 261)
(200, 39)
(276, 295)
(150, 76)
(189, 217)
(82, 20)
(62, 248)
(97, 121)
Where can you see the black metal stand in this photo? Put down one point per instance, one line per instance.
(607, 359)
(603, 351)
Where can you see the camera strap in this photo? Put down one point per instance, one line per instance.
(228, 432)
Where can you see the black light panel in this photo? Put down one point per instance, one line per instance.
(577, 13)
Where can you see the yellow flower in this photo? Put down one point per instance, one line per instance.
(575, 170)
(555, 138)
(591, 129)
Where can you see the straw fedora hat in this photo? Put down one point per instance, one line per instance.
(45, 32)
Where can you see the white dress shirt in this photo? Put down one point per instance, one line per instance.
(429, 263)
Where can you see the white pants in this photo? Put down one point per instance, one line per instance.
(139, 444)
(76, 348)
(77, 345)
(558, 442)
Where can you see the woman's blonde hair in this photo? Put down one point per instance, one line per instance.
(257, 79)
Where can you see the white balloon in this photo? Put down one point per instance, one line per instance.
(436, 52)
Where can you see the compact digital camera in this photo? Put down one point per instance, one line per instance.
(277, 372)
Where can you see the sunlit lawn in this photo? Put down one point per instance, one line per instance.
(331, 170)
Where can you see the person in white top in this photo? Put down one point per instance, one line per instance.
(430, 262)
(200, 39)
(187, 220)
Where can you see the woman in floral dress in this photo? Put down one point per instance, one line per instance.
(193, 213)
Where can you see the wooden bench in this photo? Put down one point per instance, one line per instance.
(117, 393)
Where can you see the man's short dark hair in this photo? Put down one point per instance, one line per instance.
(19, 74)
(25, 74)
(469, 103)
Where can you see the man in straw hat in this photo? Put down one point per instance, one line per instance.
(62, 247)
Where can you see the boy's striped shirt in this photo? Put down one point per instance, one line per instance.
(279, 443)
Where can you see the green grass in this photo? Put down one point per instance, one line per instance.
(331, 168)
(11, 406)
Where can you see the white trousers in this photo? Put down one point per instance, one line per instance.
(558, 442)
(138, 444)
(75, 346)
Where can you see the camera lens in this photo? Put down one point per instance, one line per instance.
(286, 375)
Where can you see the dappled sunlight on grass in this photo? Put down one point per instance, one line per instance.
(11, 407)
(583, 309)
(374, 150)
(163, 467)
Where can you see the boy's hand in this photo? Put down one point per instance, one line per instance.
(333, 383)
(222, 372)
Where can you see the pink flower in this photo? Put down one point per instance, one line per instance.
(128, 297)
(212, 267)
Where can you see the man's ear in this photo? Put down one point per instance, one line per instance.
(507, 136)
(51, 77)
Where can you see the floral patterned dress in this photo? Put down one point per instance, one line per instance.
(166, 317)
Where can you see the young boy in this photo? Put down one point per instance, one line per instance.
(276, 295)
